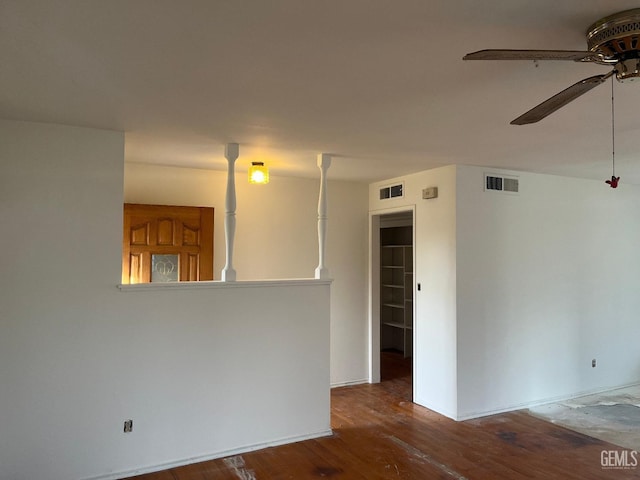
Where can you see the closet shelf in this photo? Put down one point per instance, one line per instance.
(396, 289)
(394, 324)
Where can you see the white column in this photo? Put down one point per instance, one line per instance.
(324, 161)
(231, 154)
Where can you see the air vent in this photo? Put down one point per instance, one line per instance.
(511, 185)
(392, 191)
(500, 183)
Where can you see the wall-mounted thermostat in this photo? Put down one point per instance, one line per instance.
(431, 192)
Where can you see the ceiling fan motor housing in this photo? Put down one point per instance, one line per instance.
(616, 40)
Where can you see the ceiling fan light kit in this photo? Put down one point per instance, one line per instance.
(612, 41)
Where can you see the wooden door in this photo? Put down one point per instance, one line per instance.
(167, 243)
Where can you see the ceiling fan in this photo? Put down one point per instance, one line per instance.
(613, 41)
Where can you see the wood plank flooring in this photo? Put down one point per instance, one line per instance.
(380, 434)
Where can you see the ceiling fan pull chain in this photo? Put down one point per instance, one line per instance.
(613, 183)
(613, 132)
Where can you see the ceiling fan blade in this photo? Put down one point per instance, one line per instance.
(574, 55)
(559, 100)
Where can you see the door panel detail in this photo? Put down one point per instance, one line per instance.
(167, 232)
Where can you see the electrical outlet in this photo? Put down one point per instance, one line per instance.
(128, 426)
(593, 363)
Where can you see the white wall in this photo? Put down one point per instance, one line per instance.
(434, 363)
(218, 369)
(201, 371)
(521, 292)
(547, 281)
(276, 237)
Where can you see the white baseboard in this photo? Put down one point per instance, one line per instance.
(211, 456)
(349, 383)
(545, 401)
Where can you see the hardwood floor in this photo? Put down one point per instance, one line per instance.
(380, 434)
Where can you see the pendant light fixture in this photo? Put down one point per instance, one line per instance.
(258, 173)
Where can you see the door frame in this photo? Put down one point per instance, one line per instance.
(374, 290)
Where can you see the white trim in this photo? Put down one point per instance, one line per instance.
(350, 383)
(374, 290)
(213, 284)
(373, 294)
(211, 456)
(445, 413)
(545, 401)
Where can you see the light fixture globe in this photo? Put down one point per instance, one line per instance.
(258, 173)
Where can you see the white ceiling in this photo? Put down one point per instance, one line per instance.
(379, 84)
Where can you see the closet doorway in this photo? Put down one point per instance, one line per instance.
(392, 296)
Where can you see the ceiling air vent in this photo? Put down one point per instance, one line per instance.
(392, 191)
(500, 183)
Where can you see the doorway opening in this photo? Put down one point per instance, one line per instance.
(392, 297)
